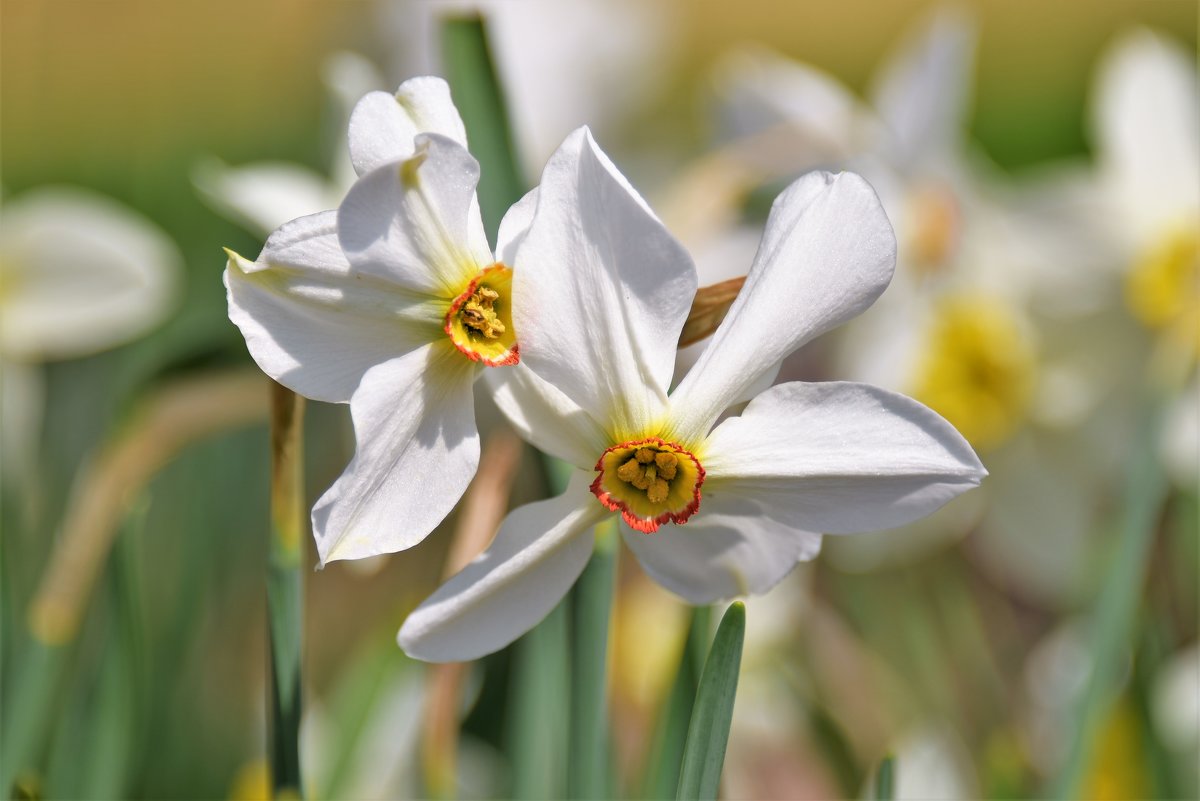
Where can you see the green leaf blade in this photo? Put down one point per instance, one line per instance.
(708, 733)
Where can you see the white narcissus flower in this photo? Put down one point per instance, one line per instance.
(393, 304)
(711, 511)
(79, 273)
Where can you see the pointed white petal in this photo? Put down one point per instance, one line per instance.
(728, 548)
(923, 91)
(827, 253)
(383, 126)
(514, 227)
(538, 554)
(79, 273)
(545, 417)
(1146, 129)
(417, 449)
(312, 325)
(601, 290)
(839, 457)
(264, 196)
(417, 222)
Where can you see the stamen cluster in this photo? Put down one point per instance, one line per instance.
(479, 313)
(650, 471)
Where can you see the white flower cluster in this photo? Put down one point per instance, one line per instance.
(396, 303)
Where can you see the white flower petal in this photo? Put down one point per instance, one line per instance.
(264, 196)
(760, 89)
(383, 126)
(601, 291)
(839, 457)
(1146, 130)
(923, 91)
(417, 449)
(79, 273)
(313, 326)
(728, 548)
(545, 417)
(827, 253)
(417, 222)
(514, 227)
(538, 554)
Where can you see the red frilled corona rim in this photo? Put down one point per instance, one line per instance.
(479, 321)
(650, 482)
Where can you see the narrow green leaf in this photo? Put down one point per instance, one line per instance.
(708, 733)
(538, 720)
(1116, 609)
(666, 753)
(480, 100)
(885, 780)
(591, 604)
(284, 587)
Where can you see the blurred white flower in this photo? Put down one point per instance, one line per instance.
(265, 195)
(392, 304)
(600, 299)
(1147, 135)
(562, 65)
(79, 273)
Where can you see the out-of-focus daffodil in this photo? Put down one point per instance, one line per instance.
(392, 304)
(711, 511)
(79, 274)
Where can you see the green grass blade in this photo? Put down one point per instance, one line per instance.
(284, 589)
(538, 722)
(885, 780)
(708, 733)
(1119, 599)
(480, 100)
(591, 604)
(662, 768)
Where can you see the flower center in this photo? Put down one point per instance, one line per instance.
(1163, 288)
(977, 368)
(479, 321)
(650, 482)
(934, 221)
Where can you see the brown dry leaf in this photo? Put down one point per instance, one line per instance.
(708, 310)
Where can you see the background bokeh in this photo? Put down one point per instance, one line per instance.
(161, 696)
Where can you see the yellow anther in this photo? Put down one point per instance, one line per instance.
(645, 455)
(658, 491)
(667, 464)
(629, 471)
(479, 313)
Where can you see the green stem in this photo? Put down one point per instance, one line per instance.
(885, 780)
(591, 604)
(1119, 599)
(284, 589)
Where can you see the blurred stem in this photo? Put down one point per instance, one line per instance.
(1118, 603)
(885, 780)
(284, 588)
(591, 607)
(480, 99)
(662, 769)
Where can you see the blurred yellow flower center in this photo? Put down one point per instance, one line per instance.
(976, 369)
(479, 321)
(934, 223)
(650, 482)
(1163, 288)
